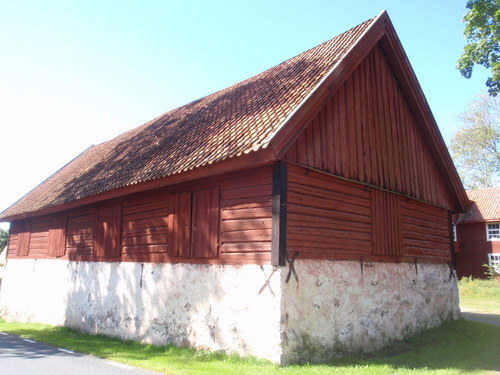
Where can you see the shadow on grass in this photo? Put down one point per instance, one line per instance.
(458, 346)
(482, 317)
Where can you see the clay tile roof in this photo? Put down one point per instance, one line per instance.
(485, 205)
(226, 124)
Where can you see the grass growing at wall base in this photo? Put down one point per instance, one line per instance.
(458, 347)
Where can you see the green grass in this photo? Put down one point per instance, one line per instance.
(458, 347)
(480, 295)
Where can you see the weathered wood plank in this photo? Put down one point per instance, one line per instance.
(238, 225)
(255, 235)
(246, 247)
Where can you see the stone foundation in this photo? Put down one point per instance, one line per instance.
(339, 308)
(335, 308)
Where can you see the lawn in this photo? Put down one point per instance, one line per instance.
(480, 295)
(459, 347)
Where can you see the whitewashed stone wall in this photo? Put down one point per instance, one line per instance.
(338, 307)
(333, 309)
(201, 306)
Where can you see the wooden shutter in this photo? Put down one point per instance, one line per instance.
(24, 239)
(205, 224)
(80, 233)
(386, 223)
(179, 225)
(57, 236)
(108, 232)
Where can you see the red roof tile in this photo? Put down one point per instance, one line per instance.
(237, 120)
(485, 205)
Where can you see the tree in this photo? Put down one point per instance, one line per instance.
(475, 147)
(4, 236)
(482, 32)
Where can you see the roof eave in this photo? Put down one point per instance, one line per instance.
(262, 156)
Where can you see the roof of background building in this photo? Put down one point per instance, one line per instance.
(485, 205)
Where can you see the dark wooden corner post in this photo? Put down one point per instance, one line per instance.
(278, 242)
(452, 239)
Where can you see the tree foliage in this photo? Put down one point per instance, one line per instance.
(482, 32)
(4, 235)
(475, 147)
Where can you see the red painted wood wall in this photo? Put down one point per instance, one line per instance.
(331, 218)
(472, 248)
(367, 132)
(218, 220)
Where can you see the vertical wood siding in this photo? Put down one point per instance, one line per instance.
(81, 233)
(107, 244)
(386, 223)
(205, 224)
(57, 236)
(366, 132)
(14, 234)
(179, 225)
(24, 239)
(145, 224)
(327, 217)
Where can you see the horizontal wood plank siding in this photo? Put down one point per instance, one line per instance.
(225, 219)
(246, 214)
(327, 217)
(39, 237)
(366, 132)
(331, 218)
(145, 224)
(425, 231)
(80, 233)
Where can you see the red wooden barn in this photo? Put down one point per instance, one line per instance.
(478, 234)
(297, 215)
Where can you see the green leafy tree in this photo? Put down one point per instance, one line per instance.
(4, 236)
(482, 32)
(475, 147)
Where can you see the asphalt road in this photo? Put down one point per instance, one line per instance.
(26, 357)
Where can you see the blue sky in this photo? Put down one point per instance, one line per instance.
(76, 73)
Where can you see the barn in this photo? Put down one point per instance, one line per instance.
(298, 215)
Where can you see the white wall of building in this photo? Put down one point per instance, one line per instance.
(210, 307)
